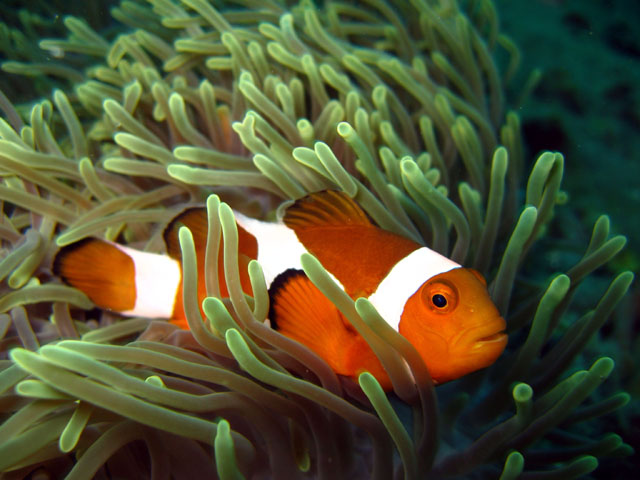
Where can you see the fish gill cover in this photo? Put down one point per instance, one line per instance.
(250, 104)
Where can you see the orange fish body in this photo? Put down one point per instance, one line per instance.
(444, 310)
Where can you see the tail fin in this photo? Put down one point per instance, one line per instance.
(100, 270)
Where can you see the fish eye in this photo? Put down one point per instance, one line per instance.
(440, 296)
(439, 300)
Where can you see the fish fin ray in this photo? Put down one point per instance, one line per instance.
(323, 209)
(300, 311)
(195, 219)
(98, 268)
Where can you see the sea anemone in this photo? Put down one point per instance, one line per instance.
(250, 104)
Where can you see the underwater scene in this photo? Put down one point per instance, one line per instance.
(319, 239)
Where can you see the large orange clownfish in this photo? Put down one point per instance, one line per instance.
(443, 309)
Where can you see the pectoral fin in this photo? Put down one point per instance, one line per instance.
(301, 312)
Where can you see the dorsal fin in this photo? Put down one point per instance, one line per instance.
(101, 270)
(333, 228)
(326, 208)
(195, 219)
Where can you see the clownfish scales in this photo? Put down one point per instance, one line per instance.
(443, 309)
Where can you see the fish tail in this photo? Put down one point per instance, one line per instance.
(98, 268)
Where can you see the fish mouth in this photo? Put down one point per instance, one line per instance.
(493, 338)
(490, 335)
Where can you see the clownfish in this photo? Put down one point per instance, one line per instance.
(442, 309)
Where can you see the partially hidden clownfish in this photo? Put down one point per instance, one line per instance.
(443, 309)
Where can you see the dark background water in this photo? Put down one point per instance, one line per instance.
(587, 104)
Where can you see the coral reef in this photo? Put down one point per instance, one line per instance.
(250, 104)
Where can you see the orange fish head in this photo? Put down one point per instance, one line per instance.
(454, 325)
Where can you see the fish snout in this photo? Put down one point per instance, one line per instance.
(476, 348)
(490, 339)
